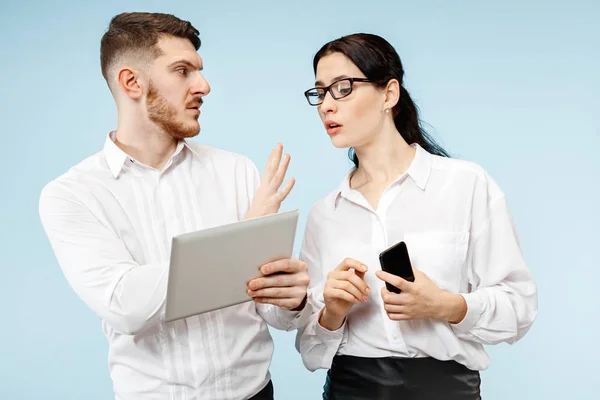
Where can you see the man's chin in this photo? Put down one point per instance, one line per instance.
(190, 132)
(186, 135)
(195, 130)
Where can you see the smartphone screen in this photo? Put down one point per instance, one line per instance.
(396, 261)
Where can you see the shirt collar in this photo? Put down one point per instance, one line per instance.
(116, 158)
(419, 171)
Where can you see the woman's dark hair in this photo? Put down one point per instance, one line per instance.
(379, 61)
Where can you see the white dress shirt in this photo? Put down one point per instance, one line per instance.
(457, 226)
(110, 221)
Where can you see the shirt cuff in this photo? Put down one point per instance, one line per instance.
(328, 337)
(474, 310)
(295, 319)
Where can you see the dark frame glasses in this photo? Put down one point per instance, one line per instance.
(316, 95)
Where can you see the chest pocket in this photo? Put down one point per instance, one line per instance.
(440, 255)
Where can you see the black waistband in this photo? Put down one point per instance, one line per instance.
(265, 394)
(391, 378)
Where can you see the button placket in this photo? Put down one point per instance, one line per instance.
(380, 242)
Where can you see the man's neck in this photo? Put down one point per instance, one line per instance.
(148, 144)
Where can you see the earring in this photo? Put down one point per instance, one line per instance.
(387, 110)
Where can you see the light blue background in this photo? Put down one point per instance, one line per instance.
(513, 86)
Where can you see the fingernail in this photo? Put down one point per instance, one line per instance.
(368, 291)
(364, 299)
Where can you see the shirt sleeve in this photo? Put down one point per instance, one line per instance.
(502, 299)
(128, 296)
(316, 345)
(275, 316)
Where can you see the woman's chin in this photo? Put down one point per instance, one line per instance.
(340, 142)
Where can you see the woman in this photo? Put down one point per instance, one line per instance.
(471, 285)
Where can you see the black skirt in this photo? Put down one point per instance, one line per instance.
(392, 378)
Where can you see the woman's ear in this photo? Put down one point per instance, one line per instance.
(392, 94)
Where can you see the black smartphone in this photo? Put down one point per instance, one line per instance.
(396, 261)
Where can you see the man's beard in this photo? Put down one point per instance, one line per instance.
(163, 114)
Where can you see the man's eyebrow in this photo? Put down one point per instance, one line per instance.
(186, 62)
(319, 83)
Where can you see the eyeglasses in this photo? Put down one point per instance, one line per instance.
(338, 90)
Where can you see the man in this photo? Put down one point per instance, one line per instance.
(110, 220)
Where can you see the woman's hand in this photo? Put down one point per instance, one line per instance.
(420, 299)
(345, 286)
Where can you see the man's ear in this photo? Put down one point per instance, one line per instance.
(128, 80)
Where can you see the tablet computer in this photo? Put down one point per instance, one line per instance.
(209, 269)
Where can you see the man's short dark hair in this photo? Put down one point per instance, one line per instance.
(138, 33)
